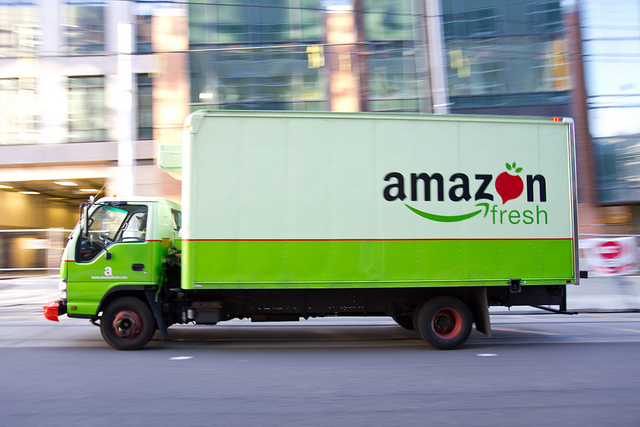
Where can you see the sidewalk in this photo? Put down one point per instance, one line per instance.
(612, 293)
(28, 291)
(604, 293)
(615, 293)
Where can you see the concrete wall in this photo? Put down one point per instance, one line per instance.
(34, 211)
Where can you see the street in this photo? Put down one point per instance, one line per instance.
(537, 369)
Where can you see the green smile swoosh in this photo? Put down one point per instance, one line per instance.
(450, 218)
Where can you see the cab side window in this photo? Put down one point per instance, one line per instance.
(135, 229)
(176, 219)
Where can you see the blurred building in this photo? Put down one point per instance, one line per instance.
(73, 103)
(610, 31)
(88, 88)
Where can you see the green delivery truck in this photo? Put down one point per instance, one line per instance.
(286, 215)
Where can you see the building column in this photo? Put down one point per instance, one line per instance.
(436, 63)
(341, 54)
(589, 214)
(170, 29)
(52, 83)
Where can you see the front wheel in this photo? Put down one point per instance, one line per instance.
(127, 324)
(443, 322)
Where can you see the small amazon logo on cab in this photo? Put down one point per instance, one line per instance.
(460, 187)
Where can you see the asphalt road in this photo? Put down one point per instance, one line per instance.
(536, 370)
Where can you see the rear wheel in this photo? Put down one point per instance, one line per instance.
(444, 322)
(127, 324)
(405, 321)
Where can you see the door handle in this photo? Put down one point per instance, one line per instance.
(137, 267)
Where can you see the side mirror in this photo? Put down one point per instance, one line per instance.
(85, 221)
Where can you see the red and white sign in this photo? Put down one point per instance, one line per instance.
(614, 256)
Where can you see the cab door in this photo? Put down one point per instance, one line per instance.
(114, 253)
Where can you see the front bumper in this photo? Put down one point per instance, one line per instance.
(54, 309)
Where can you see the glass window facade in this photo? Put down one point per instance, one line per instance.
(19, 122)
(19, 28)
(143, 32)
(143, 11)
(496, 49)
(144, 106)
(84, 26)
(611, 48)
(391, 29)
(252, 54)
(87, 112)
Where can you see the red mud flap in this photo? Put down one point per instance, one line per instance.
(54, 309)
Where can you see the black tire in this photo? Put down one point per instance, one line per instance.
(127, 324)
(406, 321)
(443, 322)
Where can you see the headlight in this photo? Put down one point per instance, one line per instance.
(62, 287)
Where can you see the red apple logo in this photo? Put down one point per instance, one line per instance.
(509, 186)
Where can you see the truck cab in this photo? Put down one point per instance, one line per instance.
(116, 250)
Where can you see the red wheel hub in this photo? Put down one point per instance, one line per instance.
(126, 324)
(447, 323)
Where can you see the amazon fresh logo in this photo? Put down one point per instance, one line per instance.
(489, 194)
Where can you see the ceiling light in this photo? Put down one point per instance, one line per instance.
(89, 190)
(5, 186)
(28, 192)
(66, 183)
